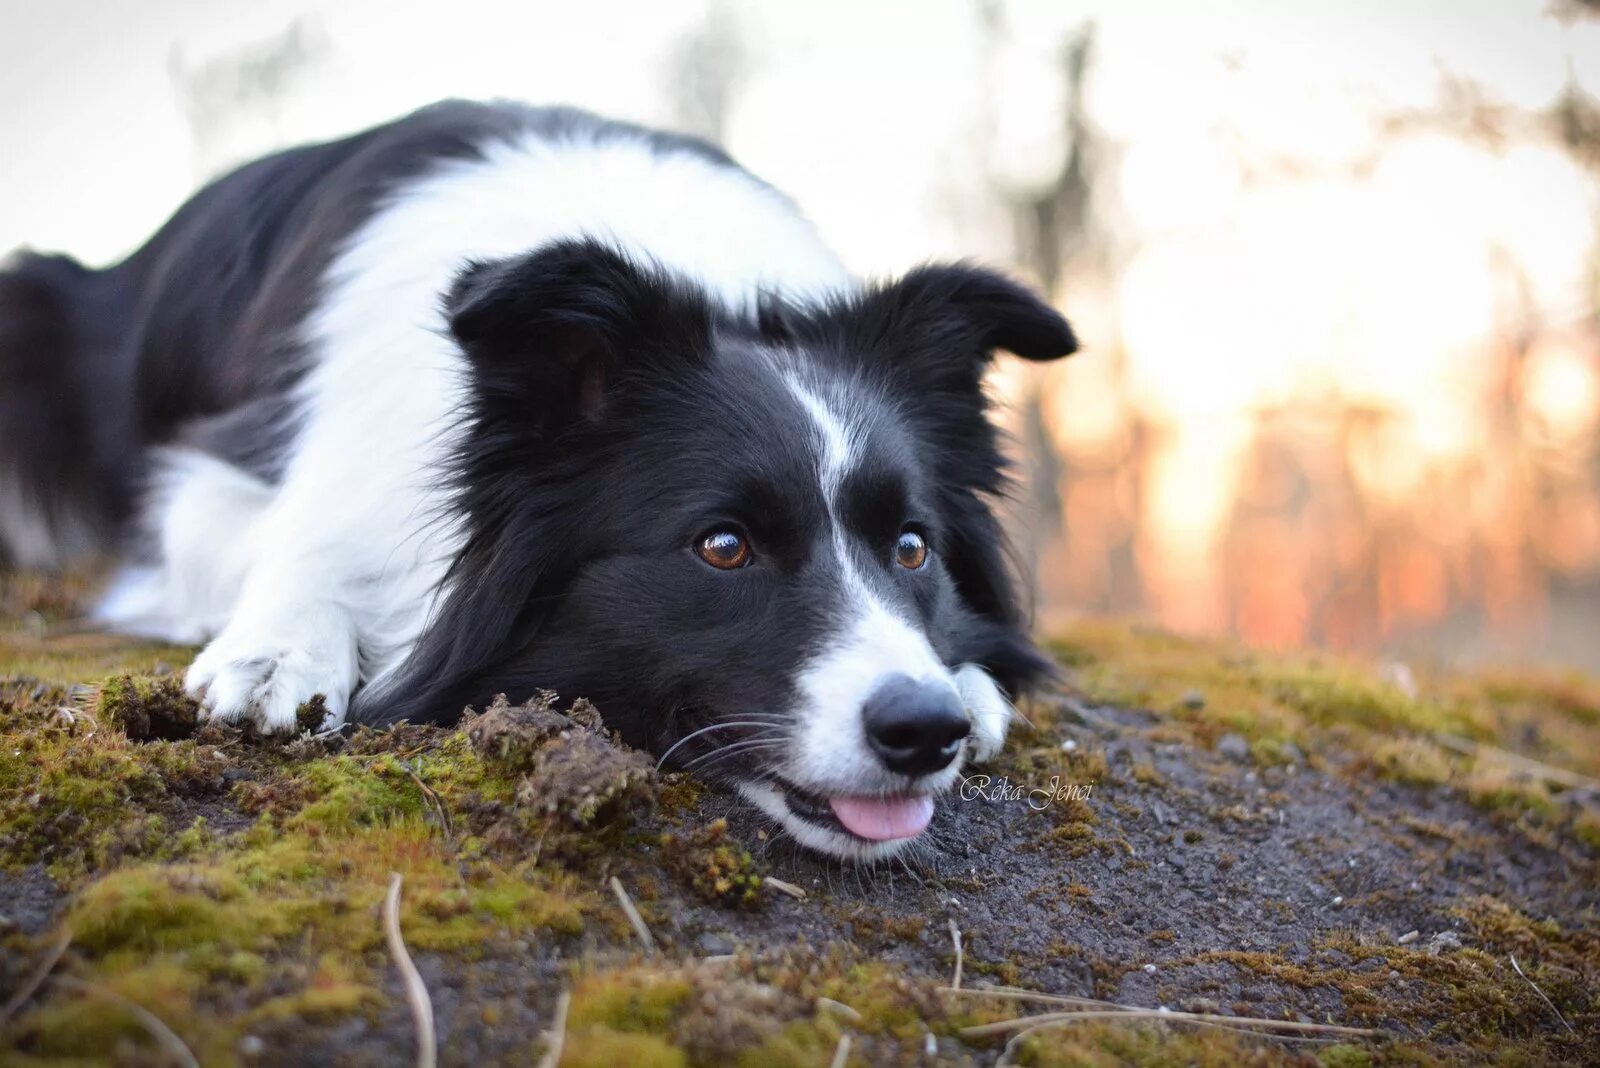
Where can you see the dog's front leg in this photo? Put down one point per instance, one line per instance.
(988, 708)
(341, 579)
(290, 639)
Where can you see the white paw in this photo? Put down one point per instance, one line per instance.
(237, 680)
(990, 711)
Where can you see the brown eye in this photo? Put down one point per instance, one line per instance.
(725, 549)
(911, 551)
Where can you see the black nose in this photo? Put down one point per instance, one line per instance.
(914, 727)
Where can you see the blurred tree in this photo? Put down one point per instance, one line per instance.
(227, 100)
(705, 72)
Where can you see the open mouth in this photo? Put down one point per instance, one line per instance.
(870, 818)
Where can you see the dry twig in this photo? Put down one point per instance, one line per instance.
(841, 1052)
(556, 1037)
(955, 938)
(410, 978)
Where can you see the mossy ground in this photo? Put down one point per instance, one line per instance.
(1261, 836)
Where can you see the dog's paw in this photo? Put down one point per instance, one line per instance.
(990, 711)
(266, 683)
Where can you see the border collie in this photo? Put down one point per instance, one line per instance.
(499, 399)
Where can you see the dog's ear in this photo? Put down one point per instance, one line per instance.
(559, 327)
(952, 318)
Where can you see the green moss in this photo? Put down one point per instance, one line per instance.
(712, 864)
(147, 707)
(78, 797)
(598, 1046)
(800, 1044)
(1586, 827)
(639, 999)
(1412, 760)
(1205, 688)
(1146, 1045)
(227, 906)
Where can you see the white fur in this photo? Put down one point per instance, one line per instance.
(990, 711)
(329, 580)
(201, 515)
(872, 645)
(831, 756)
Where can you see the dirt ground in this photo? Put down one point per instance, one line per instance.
(1283, 859)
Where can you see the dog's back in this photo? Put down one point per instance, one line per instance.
(193, 339)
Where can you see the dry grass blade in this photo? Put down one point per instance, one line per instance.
(556, 1037)
(786, 888)
(841, 1052)
(1011, 993)
(632, 911)
(410, 978)
(432, 798)
(174, 1047)
(1542, 997)
(35, 978)
(1128, 1012)
(955, 939)
(1549, 773)
(839, 1008)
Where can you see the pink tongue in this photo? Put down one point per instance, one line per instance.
(882, 818)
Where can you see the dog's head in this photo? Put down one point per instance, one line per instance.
(761, 543)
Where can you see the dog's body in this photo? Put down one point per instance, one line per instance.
(496, 398)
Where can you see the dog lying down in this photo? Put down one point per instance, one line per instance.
(496, 399)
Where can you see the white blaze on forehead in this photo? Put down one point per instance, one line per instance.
(870, 641)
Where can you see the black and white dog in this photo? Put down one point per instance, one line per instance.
(497, 399)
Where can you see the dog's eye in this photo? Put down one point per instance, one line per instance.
(911, 551)
(726, 549)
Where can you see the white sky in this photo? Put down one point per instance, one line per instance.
(1277, 244)
(864, 110)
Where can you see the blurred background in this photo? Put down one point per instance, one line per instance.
(1336, 265)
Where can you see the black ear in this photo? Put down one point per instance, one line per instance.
(562, 324)
(958, 315)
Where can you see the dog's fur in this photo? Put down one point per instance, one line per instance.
(440, 410)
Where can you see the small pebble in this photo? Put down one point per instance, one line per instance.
(1442, 941)
(1194, 700)
(1234, 747)
(1069, 746)
(1338, 901)
(1150, 969)
(712, 944)
(251, 1046)
(1409, 937)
